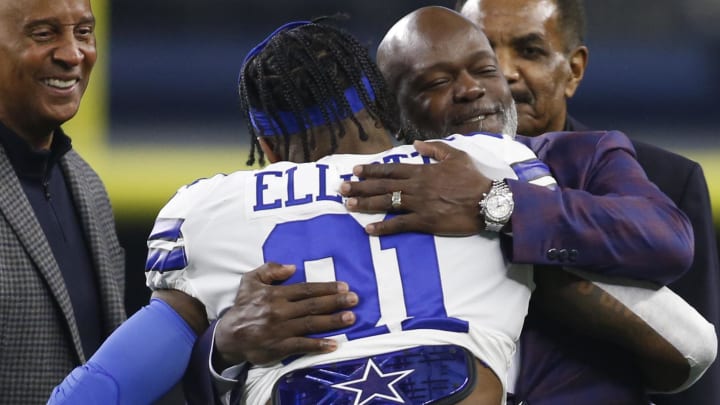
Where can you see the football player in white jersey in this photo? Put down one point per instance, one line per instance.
(412, 293)
(664, 302)
(417, 319)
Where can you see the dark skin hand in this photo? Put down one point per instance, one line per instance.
(440, 198)
(267, 323)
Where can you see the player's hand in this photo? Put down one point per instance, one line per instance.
(268, 323)
(439, 198)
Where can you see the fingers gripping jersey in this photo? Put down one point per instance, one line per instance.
(414, 289)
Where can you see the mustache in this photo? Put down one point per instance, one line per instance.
(523, 97)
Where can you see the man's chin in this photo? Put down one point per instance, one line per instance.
(526, 124)
(491, 124)
(61, 113)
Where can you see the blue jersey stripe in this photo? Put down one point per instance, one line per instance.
(167, 229)
(529, 170)
(162, 260)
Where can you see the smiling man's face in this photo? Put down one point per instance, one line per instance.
(47, 51)
(447, 78)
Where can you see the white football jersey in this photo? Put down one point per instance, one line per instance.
(414, 289)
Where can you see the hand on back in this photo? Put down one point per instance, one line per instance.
(439, 198)
(268, 322)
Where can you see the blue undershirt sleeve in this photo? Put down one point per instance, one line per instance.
(142, 360)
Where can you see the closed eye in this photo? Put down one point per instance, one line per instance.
(42, 34)
(485, 70)
(434, 84)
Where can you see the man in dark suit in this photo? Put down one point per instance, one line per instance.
(539, 44)
(61, 266)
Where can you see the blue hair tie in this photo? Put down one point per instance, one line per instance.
(268, 126)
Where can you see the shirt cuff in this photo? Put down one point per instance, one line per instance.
(228, 378)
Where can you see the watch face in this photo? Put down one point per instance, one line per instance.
(498, 207)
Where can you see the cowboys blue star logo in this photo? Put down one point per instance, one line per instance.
(375, 384)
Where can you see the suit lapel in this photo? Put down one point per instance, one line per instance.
(18, 212)
(83, 193)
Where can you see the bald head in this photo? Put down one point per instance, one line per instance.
(423, 31)
(444, 73)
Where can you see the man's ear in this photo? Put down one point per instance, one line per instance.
(268, 149)
(578, 60)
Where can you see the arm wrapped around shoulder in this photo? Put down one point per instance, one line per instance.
(673, 321)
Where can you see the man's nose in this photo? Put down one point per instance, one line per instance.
(69, 51)
(468, 88)
(507, 66)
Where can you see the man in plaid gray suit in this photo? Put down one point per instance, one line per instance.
(61, 266)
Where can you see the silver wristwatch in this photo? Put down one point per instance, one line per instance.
(497, 205)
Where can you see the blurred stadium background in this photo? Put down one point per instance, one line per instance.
(162, 106)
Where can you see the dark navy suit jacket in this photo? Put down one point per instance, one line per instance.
(560, 367)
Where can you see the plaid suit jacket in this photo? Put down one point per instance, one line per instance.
(39, 338)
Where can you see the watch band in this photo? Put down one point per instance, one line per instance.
(493, 226)
(499, 188)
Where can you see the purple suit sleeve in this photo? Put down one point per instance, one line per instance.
(607, 217)
(198, 383)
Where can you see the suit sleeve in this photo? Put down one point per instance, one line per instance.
(705, 270)
(608, 217)
(198, 382)
(204, 386)
(701, 284)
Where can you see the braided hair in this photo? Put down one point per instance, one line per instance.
(311, 66)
